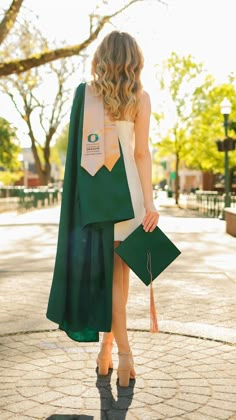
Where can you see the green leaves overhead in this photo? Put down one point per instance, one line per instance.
(195, 121)
(9, 148)
(177, 80)
(207, 126)
(178, 77)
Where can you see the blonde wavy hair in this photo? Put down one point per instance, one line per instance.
(116, 68)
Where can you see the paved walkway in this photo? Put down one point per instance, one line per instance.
(186, 371)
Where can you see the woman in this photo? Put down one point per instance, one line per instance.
(116, 69)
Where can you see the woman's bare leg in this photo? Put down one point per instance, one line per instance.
(126, 278)
(108, 337)
(119, 327)
(107, 341)
(126, 273)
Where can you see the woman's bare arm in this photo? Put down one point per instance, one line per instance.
(144, 163)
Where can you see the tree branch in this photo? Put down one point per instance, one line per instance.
(9, 19)
(5, 89)
(36, 60)
(62, 94)
(41, 119)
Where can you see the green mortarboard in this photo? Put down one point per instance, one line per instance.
(147, 253)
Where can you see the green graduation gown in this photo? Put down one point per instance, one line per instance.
(80, 299)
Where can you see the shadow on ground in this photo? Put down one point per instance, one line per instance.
(111, 407)
(116, 409)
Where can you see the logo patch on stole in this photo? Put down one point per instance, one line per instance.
(93, 137)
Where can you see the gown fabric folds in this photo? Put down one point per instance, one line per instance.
(80, 299)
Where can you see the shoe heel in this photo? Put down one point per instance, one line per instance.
(124, 376)
(103, 367)
(124, 368)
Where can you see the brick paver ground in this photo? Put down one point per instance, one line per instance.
(177, 377)
(186, 371)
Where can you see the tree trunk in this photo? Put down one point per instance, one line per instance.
(43, 173)
(177, 179)
(47, 168)
(44, 178)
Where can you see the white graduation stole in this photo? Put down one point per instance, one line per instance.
(100, 145)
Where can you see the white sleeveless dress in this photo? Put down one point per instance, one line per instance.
(127, 141)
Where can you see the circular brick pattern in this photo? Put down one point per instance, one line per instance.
(42, 374)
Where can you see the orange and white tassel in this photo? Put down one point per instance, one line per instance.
(153, 314)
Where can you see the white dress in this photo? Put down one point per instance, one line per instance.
(127, 141)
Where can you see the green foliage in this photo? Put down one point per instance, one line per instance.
(9, 149)
(207, 126)
(196, 118)
(9, 177)
(62, 142)
(178, 79)
(232, 126)
(178, 76)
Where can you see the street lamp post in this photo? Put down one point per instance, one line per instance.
(225, 107)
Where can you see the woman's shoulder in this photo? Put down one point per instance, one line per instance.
(144, 104)
(144, 98)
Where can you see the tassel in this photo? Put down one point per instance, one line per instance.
(153, 315)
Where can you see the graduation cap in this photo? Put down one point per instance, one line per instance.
(148, 254)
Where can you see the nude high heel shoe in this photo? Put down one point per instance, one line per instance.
(104, 360)
(125, 370)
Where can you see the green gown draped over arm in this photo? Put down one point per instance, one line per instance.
(80, 299)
